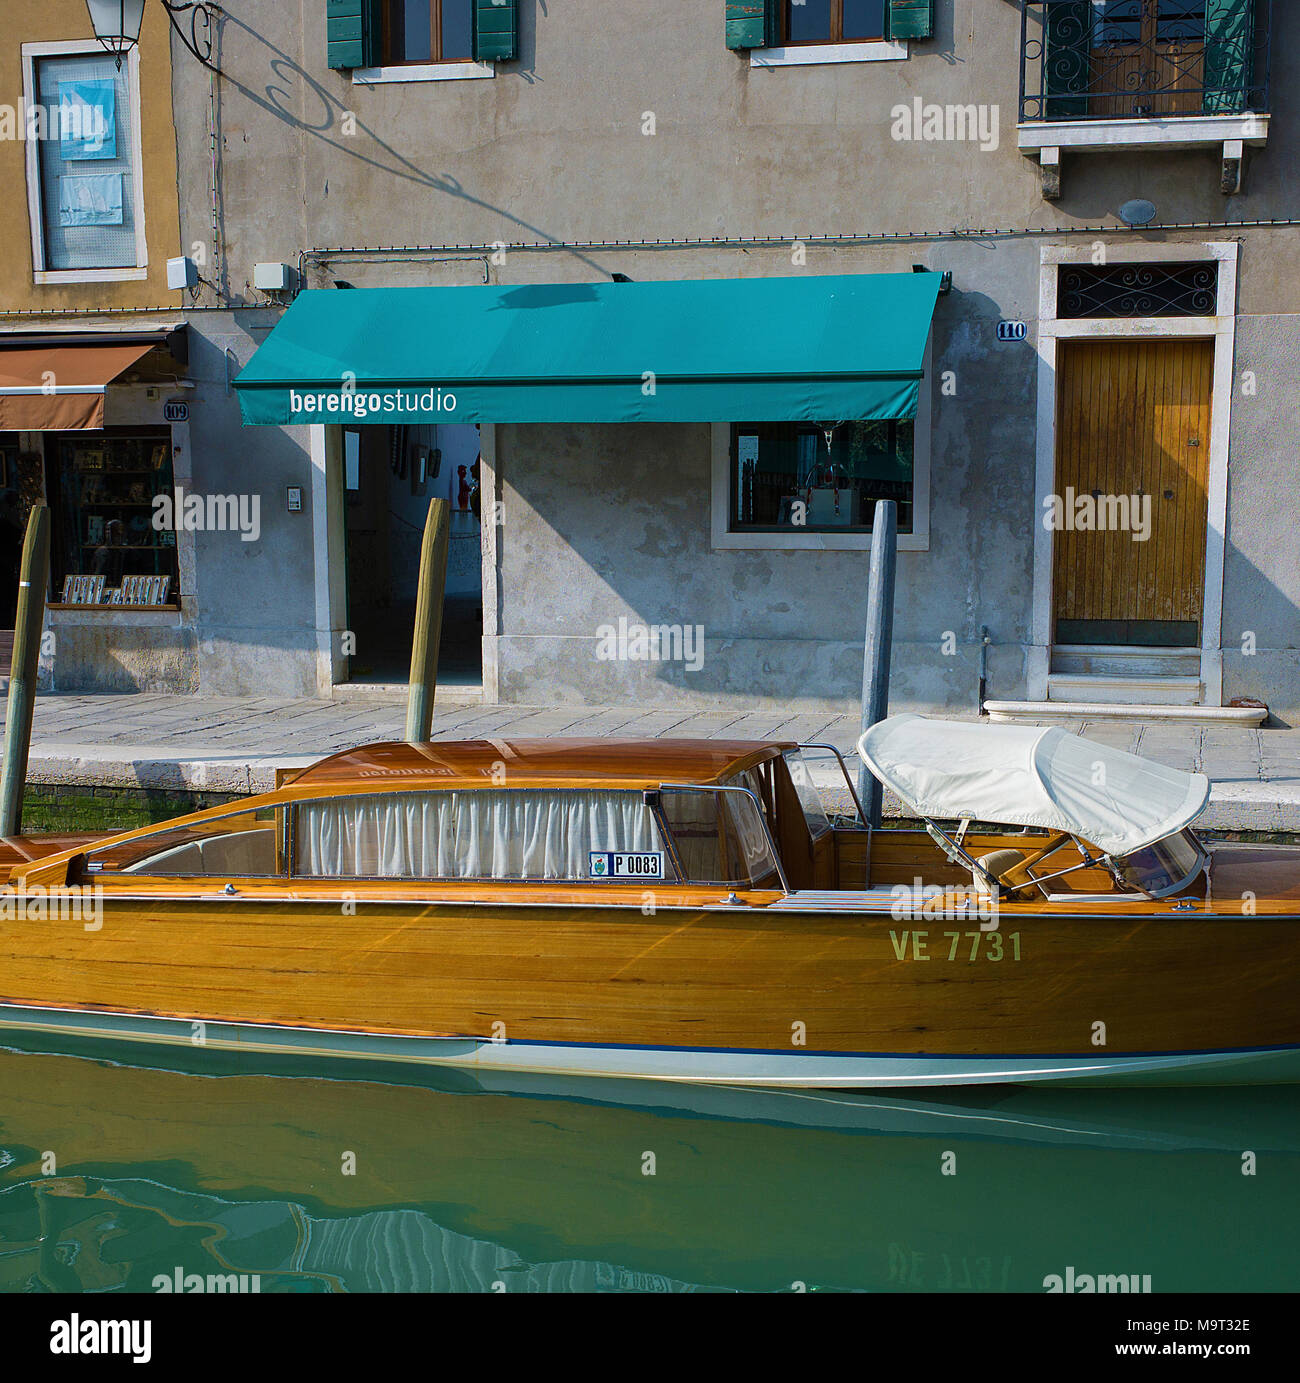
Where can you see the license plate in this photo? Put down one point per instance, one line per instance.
(626, 864)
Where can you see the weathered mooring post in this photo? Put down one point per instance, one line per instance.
(428, 623)
(880, 637)
(23, 668)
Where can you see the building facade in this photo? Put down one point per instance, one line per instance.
(92, 345)
(1092, 482)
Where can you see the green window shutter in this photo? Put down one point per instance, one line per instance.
(1229, 49)
(496, 30)
(1067, 44)
(353, 32)
(752, 23)
(911, 18)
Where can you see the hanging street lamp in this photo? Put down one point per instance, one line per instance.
(117, 26)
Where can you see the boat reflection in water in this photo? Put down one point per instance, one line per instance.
(116, 1177)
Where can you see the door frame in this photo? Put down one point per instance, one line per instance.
(1222, 330)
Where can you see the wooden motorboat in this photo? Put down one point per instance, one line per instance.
(706, 911)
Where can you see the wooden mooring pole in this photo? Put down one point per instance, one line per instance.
(428, 623)
(23, 668)
(880, 638)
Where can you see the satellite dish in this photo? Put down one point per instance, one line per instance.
(1137, 213)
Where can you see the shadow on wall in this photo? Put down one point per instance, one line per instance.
(289, 84)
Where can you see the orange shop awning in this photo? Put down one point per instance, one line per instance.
(59, 388)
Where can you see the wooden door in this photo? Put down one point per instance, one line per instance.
(1132, 438)
(1149, 58)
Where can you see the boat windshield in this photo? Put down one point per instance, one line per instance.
(1162, 868)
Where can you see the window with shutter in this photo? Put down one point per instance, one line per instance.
(424, 31)
(833, 21)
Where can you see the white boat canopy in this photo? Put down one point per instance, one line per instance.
(1031, 775)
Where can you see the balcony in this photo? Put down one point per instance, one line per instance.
(1097, 75)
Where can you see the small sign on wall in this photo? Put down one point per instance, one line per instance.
(1012, 331)
(177, 411)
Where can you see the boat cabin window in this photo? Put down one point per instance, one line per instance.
(245, 844)
(480, 834)
(720, 837)
(821, 780)
(1163, 868)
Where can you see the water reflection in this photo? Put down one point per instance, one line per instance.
(327, 1179)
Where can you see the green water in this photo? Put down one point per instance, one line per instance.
(366, 1179)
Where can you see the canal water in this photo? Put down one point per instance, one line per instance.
(195, 1171)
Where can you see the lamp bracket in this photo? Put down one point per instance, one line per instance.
(201, 28)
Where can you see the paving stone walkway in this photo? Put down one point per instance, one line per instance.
(234, 744)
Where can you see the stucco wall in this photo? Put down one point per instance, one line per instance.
(255, 601)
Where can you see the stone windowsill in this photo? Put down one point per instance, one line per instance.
(423, 72)
(808, 54)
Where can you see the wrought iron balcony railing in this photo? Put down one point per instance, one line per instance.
(1126, 59)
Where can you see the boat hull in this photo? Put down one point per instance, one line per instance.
(704, 1066)
(756, 995)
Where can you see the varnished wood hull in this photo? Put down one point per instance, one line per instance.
(752, 995)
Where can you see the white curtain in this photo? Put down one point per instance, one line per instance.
(478, 834)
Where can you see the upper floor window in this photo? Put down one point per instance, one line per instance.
(424, 31)
(832, 21)
(84, 183)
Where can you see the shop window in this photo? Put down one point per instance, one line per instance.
(107, 550)
(832, 21)
(422, 31)
(88, 216)
(819, 478)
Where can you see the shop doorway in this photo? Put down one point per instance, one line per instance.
(390, 474)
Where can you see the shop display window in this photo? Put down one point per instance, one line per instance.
(107, 549)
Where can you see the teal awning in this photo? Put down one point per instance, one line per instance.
(713, 350)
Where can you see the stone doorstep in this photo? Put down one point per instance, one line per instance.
(1052, 712)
